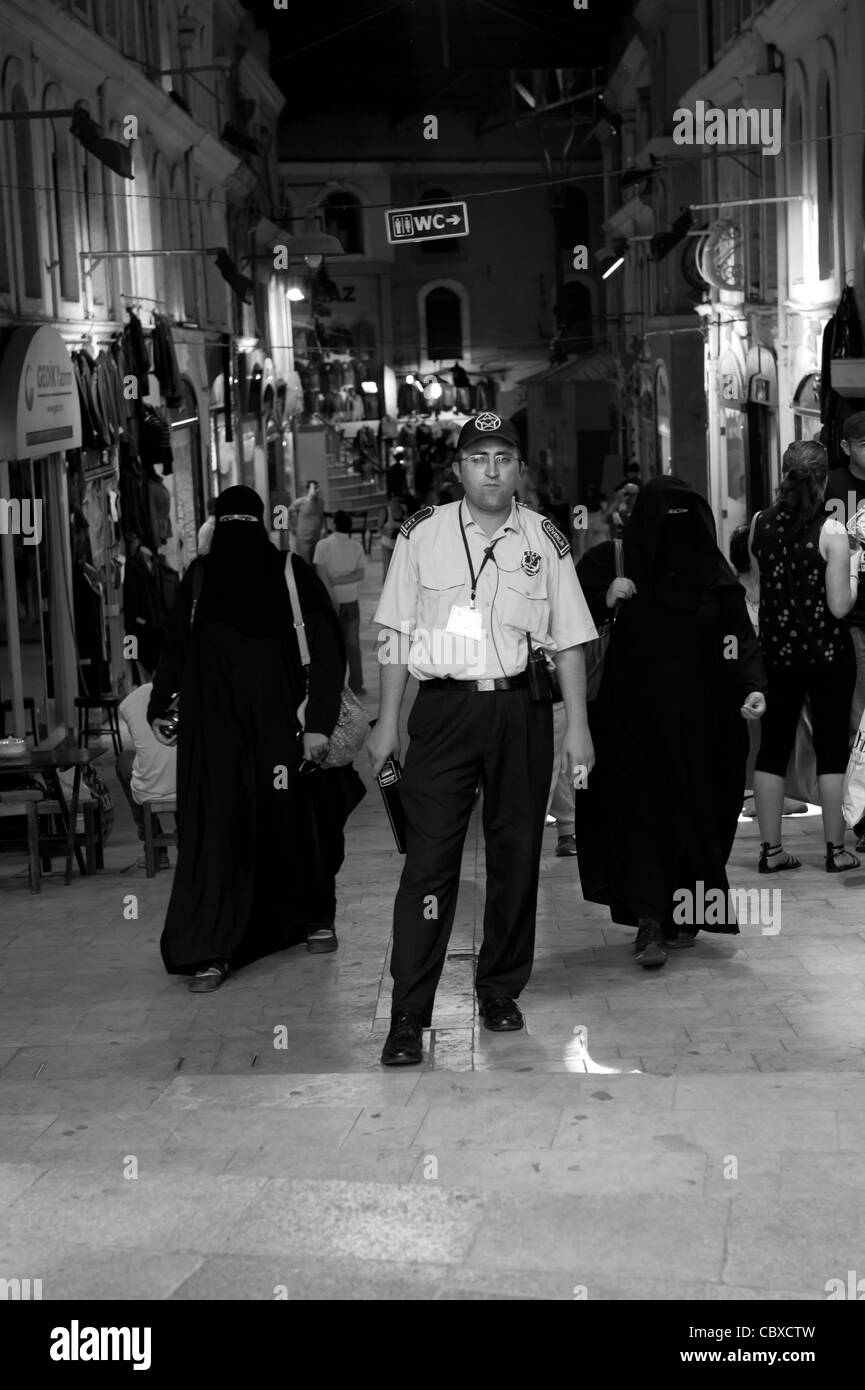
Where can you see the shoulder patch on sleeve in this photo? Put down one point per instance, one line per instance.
(412, 521)
(562, 545)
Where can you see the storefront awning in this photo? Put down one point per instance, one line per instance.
(39, 410)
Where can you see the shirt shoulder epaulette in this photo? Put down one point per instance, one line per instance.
(563, 546)
(412, 521)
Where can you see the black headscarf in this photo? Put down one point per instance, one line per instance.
(670, 546)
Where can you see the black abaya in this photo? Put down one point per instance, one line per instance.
(252, 877)
(663, 800)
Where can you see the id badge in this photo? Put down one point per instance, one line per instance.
(465, 622)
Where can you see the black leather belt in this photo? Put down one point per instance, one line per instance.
(518, 682)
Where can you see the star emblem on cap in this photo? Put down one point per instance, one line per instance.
(487, 421)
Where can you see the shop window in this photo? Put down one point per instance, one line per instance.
(806, 408)
(825, 180)
(795, 184)
(444, 329)
(26, 200)
(439, 246)
(96, 231)
(343, 218)
(107, 19)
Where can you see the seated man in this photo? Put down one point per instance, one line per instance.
(150, 772)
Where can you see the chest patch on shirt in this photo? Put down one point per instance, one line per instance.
(412, 521)
(531, 563)
(562, 545)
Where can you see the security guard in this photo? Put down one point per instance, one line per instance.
(473, 588)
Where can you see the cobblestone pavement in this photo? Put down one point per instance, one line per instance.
(690, 1133)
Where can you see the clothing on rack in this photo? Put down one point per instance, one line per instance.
(165, 361)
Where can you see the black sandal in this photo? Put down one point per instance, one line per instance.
(210, 978)
(832, 865)
(768, 852)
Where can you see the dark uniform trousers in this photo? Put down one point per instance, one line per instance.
(503, 740)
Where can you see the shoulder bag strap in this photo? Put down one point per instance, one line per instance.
(299, 625)
(751, 533)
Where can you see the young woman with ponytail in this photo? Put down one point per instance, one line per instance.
(809, 580)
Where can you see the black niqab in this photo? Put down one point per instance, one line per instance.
(670, 549)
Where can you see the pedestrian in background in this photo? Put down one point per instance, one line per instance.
(306, 519)
(809, 582)
(392, 518)
(340, 564)
(147, 771)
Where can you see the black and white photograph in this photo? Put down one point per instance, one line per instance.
(432, 670)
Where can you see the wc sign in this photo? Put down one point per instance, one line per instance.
(427, 222)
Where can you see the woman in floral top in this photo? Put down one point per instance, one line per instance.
(808, 583)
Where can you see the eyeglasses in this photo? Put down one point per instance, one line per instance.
(500, 460)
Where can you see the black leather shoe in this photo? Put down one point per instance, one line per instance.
(404, 1046)
(500, 1015)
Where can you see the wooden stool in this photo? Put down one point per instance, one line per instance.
(29, 708)
(92, 836)
(25, 803)
(109, 704)
(152, 841)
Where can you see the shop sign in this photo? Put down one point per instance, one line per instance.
(427, 223)
(39, 410)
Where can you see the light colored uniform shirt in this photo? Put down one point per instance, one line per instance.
(154, 771)
(308, 513)
(339, 554)
(529, 586)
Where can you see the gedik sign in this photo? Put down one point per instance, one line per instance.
(426, 223)
(39, 410)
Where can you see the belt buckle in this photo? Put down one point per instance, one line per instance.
(486, 685)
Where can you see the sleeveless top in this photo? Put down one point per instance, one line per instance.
(797, 627)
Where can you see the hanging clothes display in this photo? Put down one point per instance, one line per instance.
(144, 610)
(137, 355)
(156, 439)
(165, 361)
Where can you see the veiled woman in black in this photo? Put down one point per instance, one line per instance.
(683, 672)
(261, 841)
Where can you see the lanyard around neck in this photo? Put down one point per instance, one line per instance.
(488, 553)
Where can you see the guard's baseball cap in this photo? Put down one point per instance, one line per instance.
(485, 426)
(854, 427)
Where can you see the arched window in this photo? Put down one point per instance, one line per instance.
(186, 240)
(25, 197)
(572, 219)
(343, 218)
(95, 227)
(825, 180)
(63, 181)
(439, 246)
(444, 324)
(795, 184)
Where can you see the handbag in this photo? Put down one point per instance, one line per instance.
(853, 804)
(352, 725)
(596, 650)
